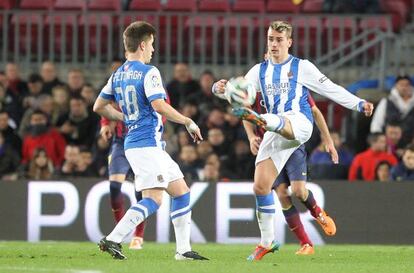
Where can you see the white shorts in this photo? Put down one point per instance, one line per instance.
(153, 167)
(278, 148)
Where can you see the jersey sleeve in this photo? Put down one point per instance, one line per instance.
(107, 92)
(313, 79)
(153, 86)
(254, 77)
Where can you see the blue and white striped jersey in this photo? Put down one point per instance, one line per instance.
(285, 86)
(133, 86)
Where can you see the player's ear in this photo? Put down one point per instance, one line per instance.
(142, 45)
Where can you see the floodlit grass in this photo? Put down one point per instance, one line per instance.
(72, 257)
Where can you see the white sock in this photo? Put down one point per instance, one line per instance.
(266, 225)
(274, 123)
(182, 226)
(131, 219)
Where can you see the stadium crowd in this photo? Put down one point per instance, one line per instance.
(48, 130)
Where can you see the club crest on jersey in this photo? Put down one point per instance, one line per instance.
(155, 81)
(290, 75)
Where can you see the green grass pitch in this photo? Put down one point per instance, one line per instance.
(71, 257)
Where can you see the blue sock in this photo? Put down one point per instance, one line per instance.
(114, 189)
(138, 195)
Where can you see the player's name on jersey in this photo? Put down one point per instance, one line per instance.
(128, 75)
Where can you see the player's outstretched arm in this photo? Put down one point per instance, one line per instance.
(103, 108)
(166, 110)
(325, 135)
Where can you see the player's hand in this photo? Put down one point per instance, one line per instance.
(254, 144)
(368, 108)
(106, 132)
(330, 148)
(220, 86)
(193, 130)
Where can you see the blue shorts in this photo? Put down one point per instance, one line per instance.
(117, 162)
(295, 168)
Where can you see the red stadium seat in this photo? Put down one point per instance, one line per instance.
(214, 6)
(312, 6)
(69, 5)
(107, 5)
(145, 5)
(399, 10)
(282, 6)
(306, 31)
(257, 6)
(180, 5)
(380, 22)
(339, 29)
(36, 4)
(7, 4)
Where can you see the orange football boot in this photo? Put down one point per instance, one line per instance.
(327, 223)
(250, 115)
(260, 251)
(306, 249)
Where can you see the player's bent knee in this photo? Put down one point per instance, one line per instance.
(299, 191)
(260, 189)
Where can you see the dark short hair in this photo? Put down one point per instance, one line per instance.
(409, 147)
(403, 77)
(34, 78)
(136, 33)
(38, 112)
(374, 137)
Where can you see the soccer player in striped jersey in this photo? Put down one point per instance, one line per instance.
(284, 81)
(137, 88)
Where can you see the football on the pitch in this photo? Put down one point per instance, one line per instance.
(240, 92)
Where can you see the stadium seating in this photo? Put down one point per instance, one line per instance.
(241, 6)
(145, 5)
(339, 29)
(399, 10)
(312, 6)
(180, 5)
(282, 6)
(63, 25)
(213, 6)
(105, 5)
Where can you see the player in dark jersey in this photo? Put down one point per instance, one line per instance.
(294, 174)
(118, 168)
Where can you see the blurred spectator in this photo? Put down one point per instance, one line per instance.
(364, 164)
(203, 150)
(210, 173)
(215, 161)
(188, 161)
(76, 80)
(382, 171)
(44, 103)
(100, 151)
(72, 157)
(205, 99)
(404, 171)
(10, 137)
(321, 165)
(35, 85)
(41, 166)
(234, 128)
(15, 84)
(10, 104)
(85, 166)
(397, 107)
(215, 119)
(393, 133)
(9, 160)
(182, 86)
(79, 126)
(218, 142)
(60, 97)
(41, 135)
(89, 95)
(3, 79)
(49, 75)
(241, 162)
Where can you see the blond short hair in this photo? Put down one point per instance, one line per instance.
(281, 26)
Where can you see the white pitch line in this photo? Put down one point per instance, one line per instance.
(30, 269)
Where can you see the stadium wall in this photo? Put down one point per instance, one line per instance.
(78, 210)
